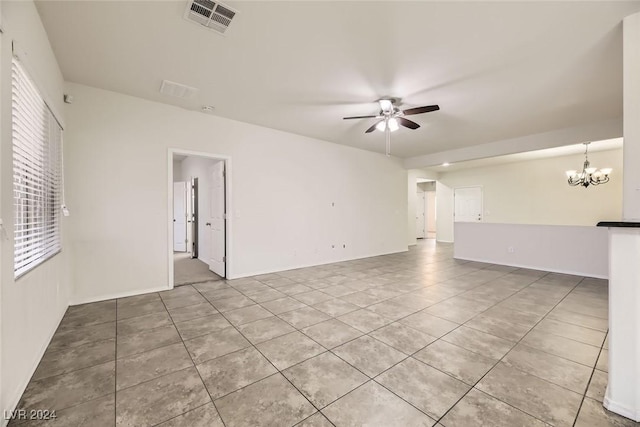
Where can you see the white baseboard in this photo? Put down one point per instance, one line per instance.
(97, 298)
(294, 267)
(14, 400)
(536, 267)
(621, 409)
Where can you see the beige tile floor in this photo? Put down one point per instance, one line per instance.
(410, 339)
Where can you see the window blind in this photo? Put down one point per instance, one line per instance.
(37, 174)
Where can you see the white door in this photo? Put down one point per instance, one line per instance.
(180, 216)
(467, 204)
(420, 217)
(216, 220)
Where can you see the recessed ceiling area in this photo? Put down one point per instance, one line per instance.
(610, 144)
(498, 70)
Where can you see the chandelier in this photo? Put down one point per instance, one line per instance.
(589, 175)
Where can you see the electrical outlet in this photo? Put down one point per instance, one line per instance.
(510, 249)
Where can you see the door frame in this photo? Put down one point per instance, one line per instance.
(228, 202)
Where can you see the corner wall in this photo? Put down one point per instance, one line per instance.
(32, 306)
(296, 201)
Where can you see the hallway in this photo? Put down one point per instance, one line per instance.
(187, 270)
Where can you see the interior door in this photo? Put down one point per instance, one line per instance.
(180, 216)
(420, 217)
(467, 204)
(216, 220)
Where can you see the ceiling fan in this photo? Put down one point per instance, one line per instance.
(391, 118)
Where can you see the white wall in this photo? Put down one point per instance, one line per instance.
(283, 187)
(631, 105)
(32, 306)
(444, 213)
(200, 167)
(578, 250)
(536, 192)
(412, 191)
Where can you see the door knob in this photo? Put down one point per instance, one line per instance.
(208, 224)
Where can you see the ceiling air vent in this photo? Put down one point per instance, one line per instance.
(213, 15)
(178, 90)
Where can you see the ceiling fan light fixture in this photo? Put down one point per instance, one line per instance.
(392, 123)
(386, 105)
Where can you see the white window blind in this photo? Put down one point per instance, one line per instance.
(37, 175)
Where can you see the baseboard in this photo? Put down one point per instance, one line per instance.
(621, 410)
(533, 267)
(86, 300)
(295, 267)
(16, 399)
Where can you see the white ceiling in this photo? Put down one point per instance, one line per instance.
(498, 70)
(609, 144)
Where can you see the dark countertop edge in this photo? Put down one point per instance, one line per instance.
(621, 224)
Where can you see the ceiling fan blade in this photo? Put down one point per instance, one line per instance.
(408, 123)
(420, 110)
(359, 117)
(372, 128)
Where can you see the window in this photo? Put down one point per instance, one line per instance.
(37, 175)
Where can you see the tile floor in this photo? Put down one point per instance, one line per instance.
(410, 339)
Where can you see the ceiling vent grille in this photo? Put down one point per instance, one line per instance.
(178, 90)
(213, 15)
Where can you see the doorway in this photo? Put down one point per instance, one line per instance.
(199, 199)
(426, 209)
(421, 218)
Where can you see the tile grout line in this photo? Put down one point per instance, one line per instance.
(372, 379)
(586, 390)
(395, 281)
(194, 365)
(256, 349)
(507, 353)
